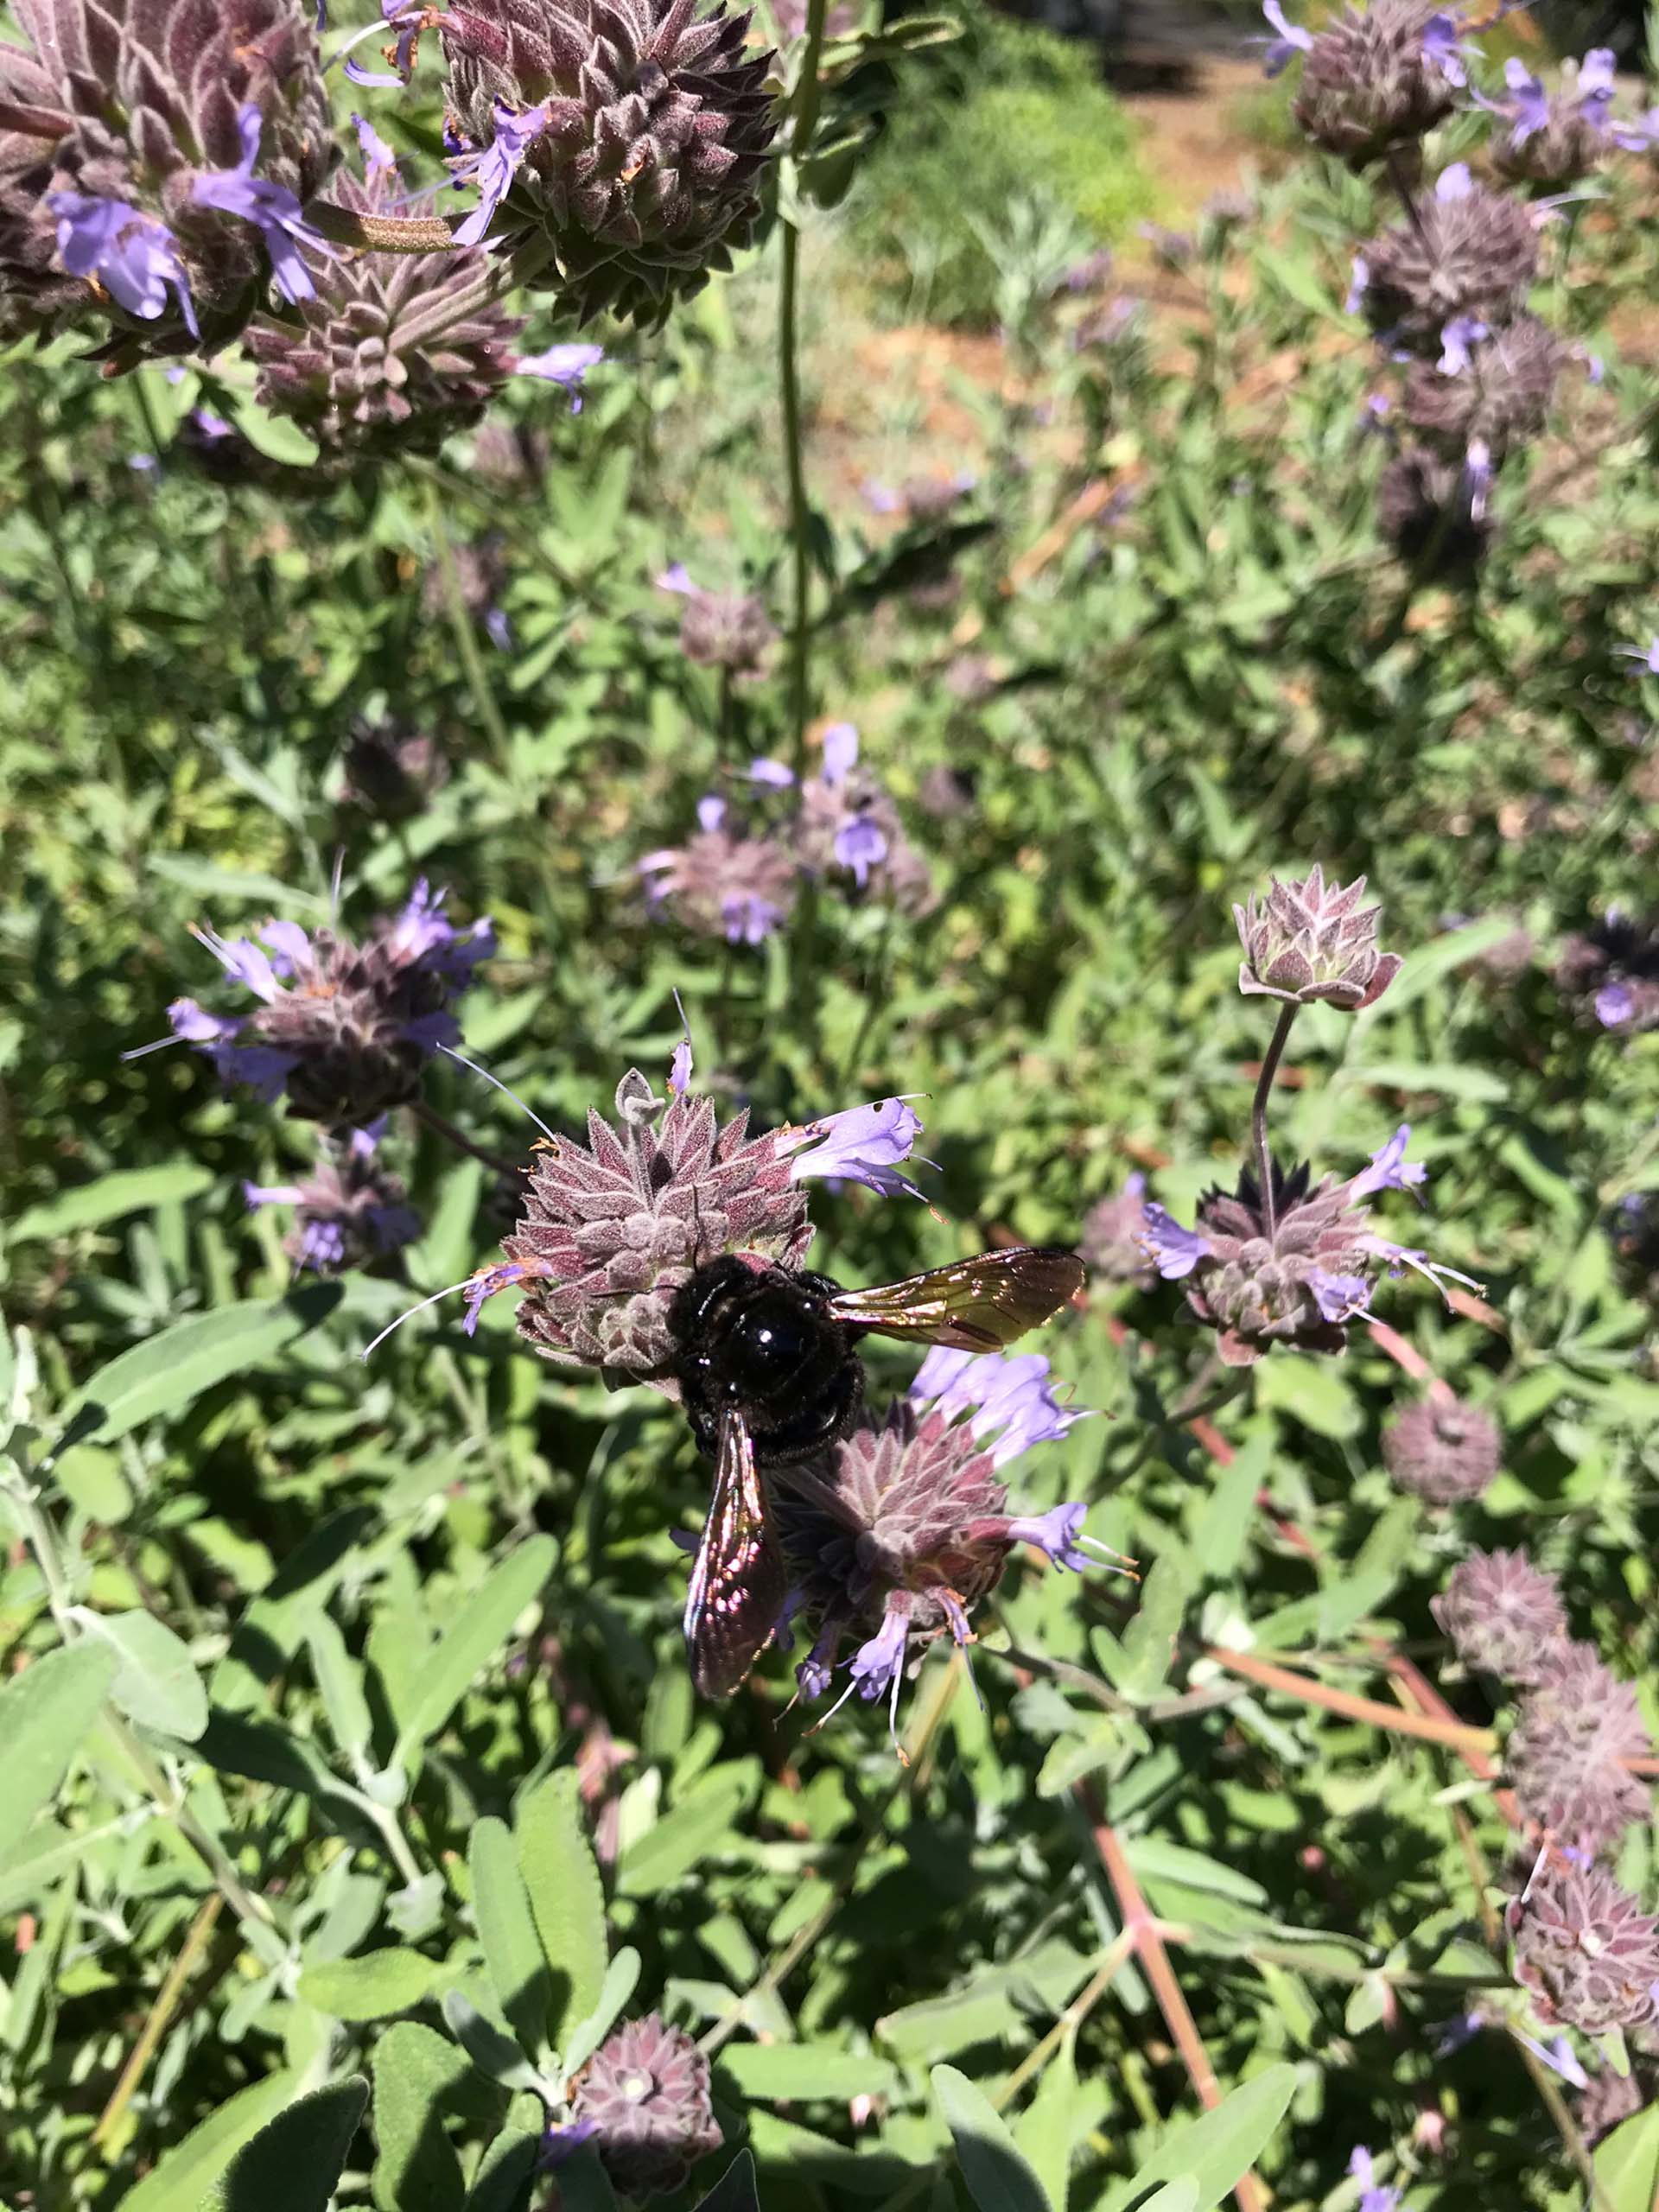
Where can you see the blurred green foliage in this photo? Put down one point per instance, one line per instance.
(1010, 113)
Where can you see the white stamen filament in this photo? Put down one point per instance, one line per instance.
(449, 1050)
(449, 1290)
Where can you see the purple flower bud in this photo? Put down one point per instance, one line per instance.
(676, 579)
(1615, 1003)
(749, 918)
(272, 208)
(679, 1069)
(194, 1025)
(1374, 2197)
(1173, 1251)
(711, 811)
(772, 773)
(565, 366)
(815, 1670)
(1443, 48)
(1358, 283)
(1459, 338)
(1339, 1298)
(1009, 1393)
(561, 2140)
(1454, 183)
(1054, 1532)
(863, 1144)
(487, 1285)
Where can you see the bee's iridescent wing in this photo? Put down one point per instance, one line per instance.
(974, 1304)
(738, 1581)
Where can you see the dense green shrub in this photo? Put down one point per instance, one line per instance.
(1017, 114)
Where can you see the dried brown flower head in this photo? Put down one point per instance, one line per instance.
(1503, 1614)
(645, 2093)
(636, 130)
(1437, 514)
(392, 352)
(1295, 1274)
(619, 1224)
(1576, 1726)
(721, 883)
(1471, 257)
(1442, 1450)
(1586, 1949)
(392, 773)
(1314, 940)
(1376, 79)
(1500, 399)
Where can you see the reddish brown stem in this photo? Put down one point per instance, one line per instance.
(1433, 1729)
(1139, 1922)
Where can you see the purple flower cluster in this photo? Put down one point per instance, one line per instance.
(896, 1533)
(347, 1211)
(839, 825)
(1297, 1273)
(156, 169)
(1446, 290)
(344, 1030)
(610, 1230)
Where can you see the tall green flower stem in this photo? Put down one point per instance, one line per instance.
(1259, 1111)
(789, 368)
(465, 637)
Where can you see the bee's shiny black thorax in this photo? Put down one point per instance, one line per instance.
(764, 1345)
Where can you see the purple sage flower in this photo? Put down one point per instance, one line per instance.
(132, 255)
(1373, 2197)
(565, 366)
(895, 1533)
(840, 752)
(493, 167)
(346, 1030)
(1010, 1398)
(348, 1210)
(860, 846)
(272, 208)
(378, 157)
(862, 1144)
(1174, 1251)
(1291, 40)
(1389, 1169)
(1459, 338)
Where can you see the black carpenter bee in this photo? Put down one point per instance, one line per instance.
(768, 1375)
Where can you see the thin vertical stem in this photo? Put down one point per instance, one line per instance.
(160, 2015)
(806, 116)
(1259, 1112)
(1153, 1958)
(1401, 184)
(799, 523)
(466, 636)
